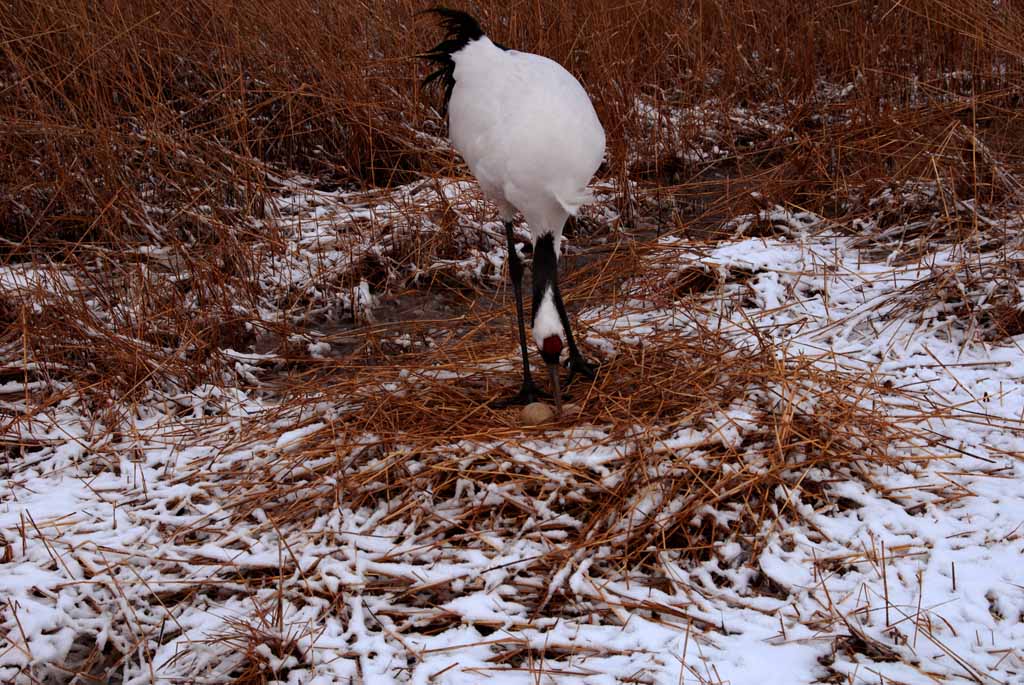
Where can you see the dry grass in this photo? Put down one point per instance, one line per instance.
(147, 147)
(113, 109)
(138, 124)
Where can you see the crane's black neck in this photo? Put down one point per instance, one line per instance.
(545, 270)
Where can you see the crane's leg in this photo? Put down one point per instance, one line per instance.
(577, 364)
(529, 392)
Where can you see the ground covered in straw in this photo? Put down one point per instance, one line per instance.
(796, 453)
(247, 422)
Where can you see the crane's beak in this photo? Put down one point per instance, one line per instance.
(556, 388)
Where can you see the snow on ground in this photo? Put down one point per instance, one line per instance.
(154, 548)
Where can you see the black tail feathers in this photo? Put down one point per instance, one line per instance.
(461, 29)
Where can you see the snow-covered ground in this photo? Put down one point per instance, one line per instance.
(226, 531)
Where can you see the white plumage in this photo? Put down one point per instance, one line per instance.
(528, 132)
(531, 137)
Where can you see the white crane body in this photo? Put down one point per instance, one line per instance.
(531, 137)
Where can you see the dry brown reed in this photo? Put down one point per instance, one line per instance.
(130, 123)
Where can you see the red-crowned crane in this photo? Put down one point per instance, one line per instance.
(531, 137)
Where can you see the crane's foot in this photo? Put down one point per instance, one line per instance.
(578, 366)
(528, 393)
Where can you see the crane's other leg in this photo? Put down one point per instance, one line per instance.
(577, 364)
(529, 392)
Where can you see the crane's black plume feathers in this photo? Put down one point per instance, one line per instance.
(462, 29)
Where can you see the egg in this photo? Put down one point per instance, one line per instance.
(536, 413)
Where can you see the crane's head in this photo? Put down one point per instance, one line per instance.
(549, 337)
(551, 348)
